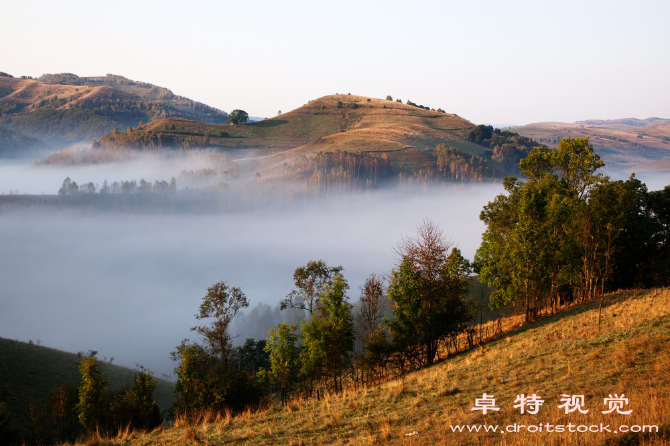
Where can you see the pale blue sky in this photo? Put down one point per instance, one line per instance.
(488, 61)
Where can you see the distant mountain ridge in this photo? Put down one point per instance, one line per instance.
(64, 108)
(627, 144)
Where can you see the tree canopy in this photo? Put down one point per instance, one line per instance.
(238, 117)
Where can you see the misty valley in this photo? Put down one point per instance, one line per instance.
(356, 270)
(132, 280)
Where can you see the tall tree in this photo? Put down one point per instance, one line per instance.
(282, 346)
(221, 303)
(238, 117)
(328, 336)
(310, 282)
(371, 308)
(427, 291)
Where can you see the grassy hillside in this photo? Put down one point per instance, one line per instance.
(381, 138)
(626, 144)
(64, 108)
(27, 369)
(560, 354)
(337, 122)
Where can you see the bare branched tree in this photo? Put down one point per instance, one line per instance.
(372, 307)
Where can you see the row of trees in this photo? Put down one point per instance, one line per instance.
(70, 187)
(458, 165)
(332, 346)
(341, 170)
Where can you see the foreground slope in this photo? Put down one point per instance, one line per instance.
(65, 108)
(29, 369)
(560, 354)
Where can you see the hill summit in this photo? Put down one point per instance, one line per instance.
(343, 136)
(65, 108)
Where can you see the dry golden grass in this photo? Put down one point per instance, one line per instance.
(562, 353)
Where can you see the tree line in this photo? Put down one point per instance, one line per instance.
(331, 347)
(71, 188)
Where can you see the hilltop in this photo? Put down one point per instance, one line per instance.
(28, 369)
(65, 108)
(334, 132)
(625, 144)
(563, 353)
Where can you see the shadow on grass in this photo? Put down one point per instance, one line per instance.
(541, 321)
(268, 123)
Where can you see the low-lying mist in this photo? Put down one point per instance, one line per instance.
(23, 177)
(128, 284)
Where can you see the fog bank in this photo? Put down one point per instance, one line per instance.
(128, 285)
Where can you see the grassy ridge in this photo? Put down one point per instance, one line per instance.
(402, 137)
(560, 354)
(27, 369)
(65, 108)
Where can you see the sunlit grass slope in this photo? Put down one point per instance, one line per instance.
(29, 369)
(335, 122)
(560, 354)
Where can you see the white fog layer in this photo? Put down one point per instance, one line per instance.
(128, 284)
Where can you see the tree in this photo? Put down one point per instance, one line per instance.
(282, 346)
(389, 98)
(427, 291)
(191, 387)
(136, 407)
(221, 303)
(310, 281)
(573, 161)
(93, 384)
(328, 336)
(252, 355)
(371, 309)
(238, 117)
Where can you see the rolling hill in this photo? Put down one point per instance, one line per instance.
(625, 144)
(65, 108)
(373, 134)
